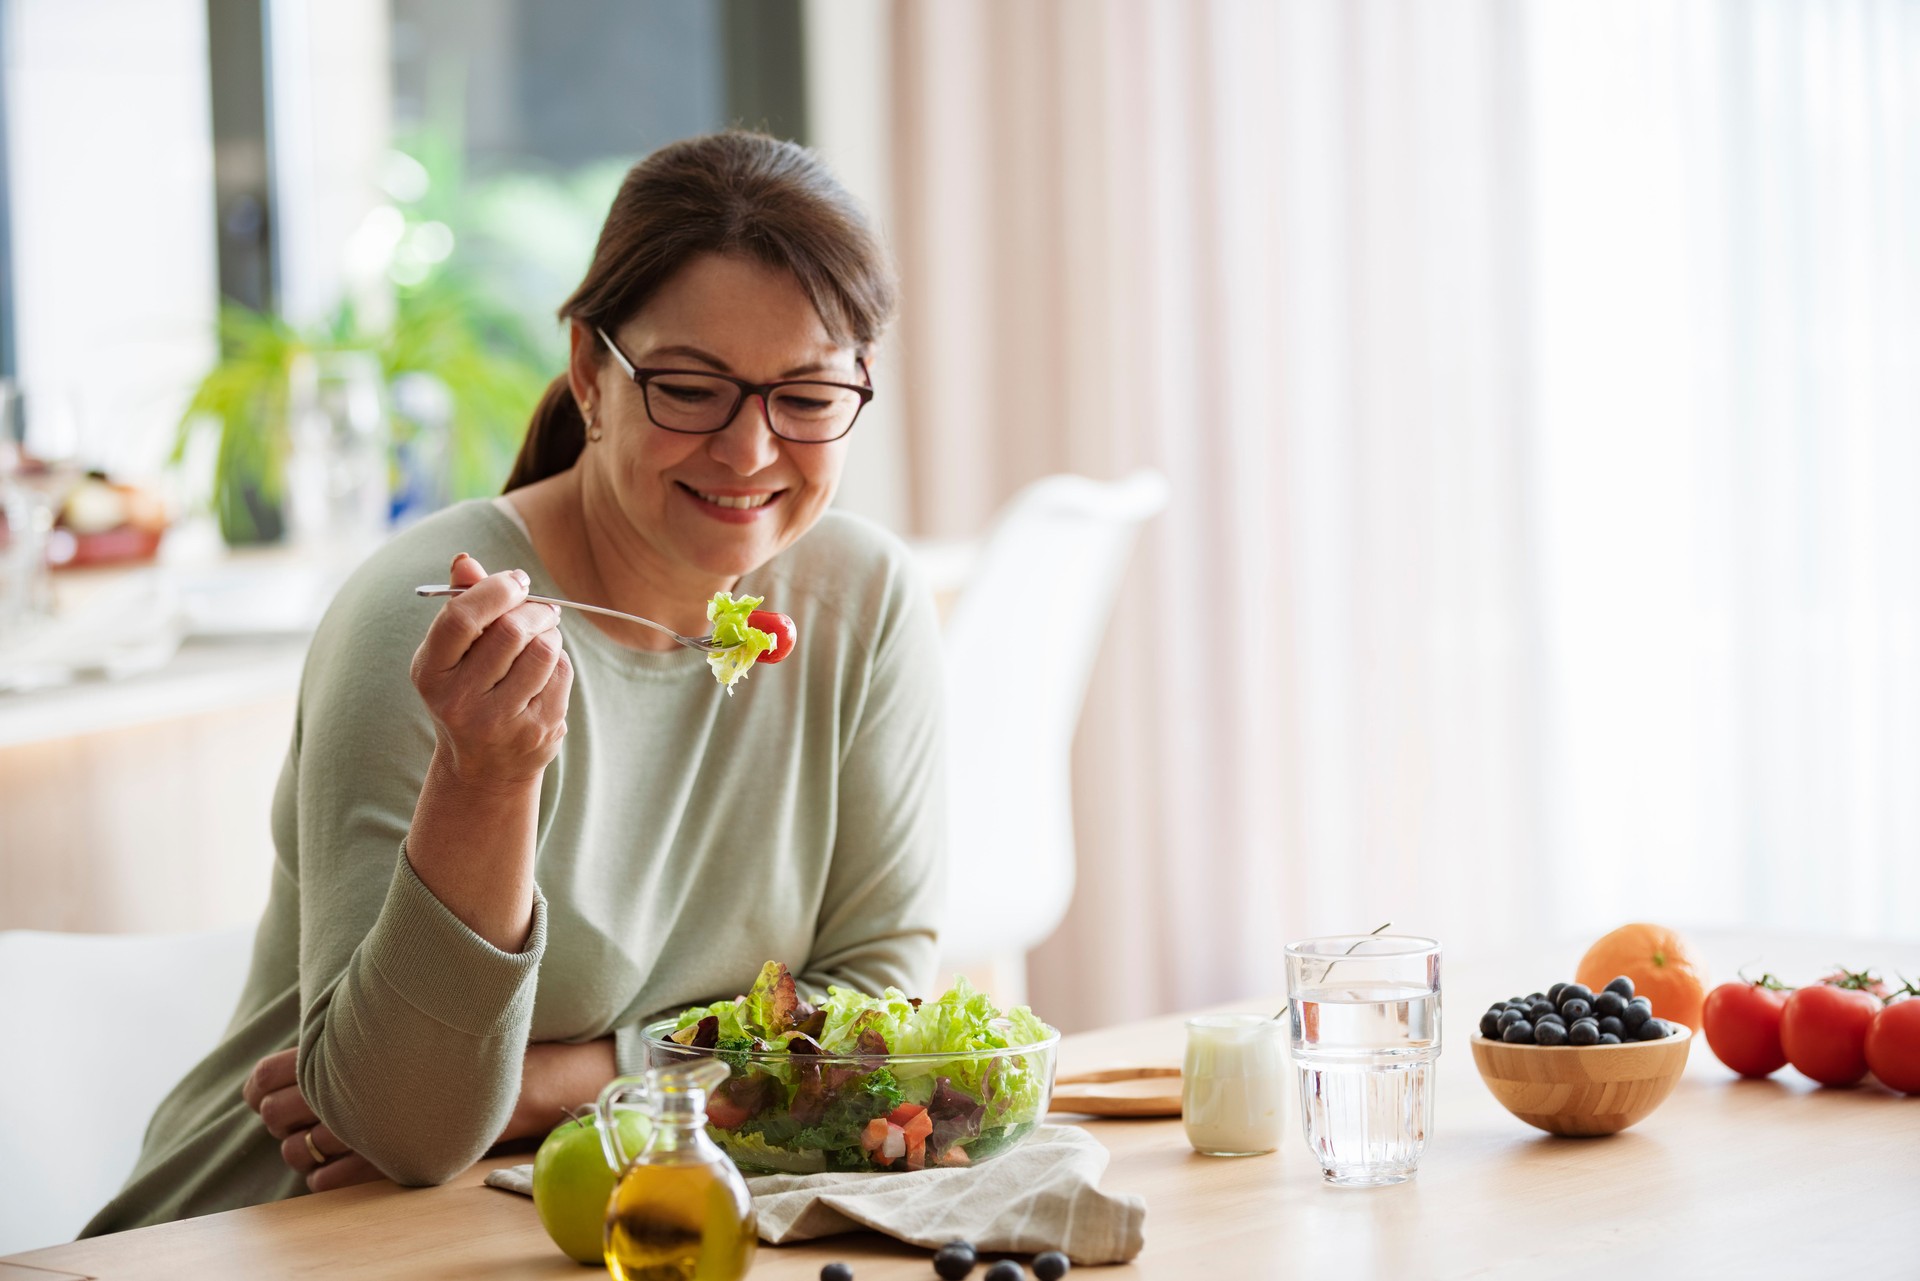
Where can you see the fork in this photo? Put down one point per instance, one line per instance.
(705, 644)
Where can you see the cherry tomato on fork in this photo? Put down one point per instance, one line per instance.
(781, 628)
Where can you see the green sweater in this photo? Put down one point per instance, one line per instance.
(685, 837)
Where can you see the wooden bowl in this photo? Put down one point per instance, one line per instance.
(1582, 1089)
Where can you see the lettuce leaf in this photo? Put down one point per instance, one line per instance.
(853, 1015)
(774, 1008)
(730, 1015)
(755, 1152)
(744, 643)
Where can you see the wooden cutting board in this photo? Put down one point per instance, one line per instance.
(1119, 1092)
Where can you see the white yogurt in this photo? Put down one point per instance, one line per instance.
(1234, 1086)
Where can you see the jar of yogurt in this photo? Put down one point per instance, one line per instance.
(1233, 1087)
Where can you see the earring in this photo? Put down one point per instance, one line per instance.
(593, 428)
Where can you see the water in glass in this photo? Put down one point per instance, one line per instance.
(1365, 1056)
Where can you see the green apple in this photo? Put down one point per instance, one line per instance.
(572, 1182)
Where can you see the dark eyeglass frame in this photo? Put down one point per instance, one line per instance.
(641, 377)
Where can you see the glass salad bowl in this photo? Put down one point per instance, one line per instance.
(791, 1106)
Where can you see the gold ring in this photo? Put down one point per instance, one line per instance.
(319, 1157)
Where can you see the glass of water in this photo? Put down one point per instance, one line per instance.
(1364, 1023)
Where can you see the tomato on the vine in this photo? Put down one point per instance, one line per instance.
(781, 628)
(1823, 1029)
(1742, 1023)
(1859, 980)
(1893, 1045)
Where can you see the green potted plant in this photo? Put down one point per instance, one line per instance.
(447, 323)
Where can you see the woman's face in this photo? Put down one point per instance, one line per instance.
(726, 315)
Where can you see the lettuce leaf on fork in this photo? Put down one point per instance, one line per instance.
(744, 643)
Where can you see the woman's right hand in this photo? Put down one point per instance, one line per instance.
(494, 678)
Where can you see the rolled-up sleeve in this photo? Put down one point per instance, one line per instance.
(413, 1057)
(413, 1028)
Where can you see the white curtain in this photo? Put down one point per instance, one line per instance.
(1537, 388)
(1727, 292)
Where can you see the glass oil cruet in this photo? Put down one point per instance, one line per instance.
(679, 1210)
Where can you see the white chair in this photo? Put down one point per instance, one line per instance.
(1051, 565)
(94, 1030)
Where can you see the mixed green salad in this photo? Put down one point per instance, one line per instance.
(824, 1087)
(744, 642)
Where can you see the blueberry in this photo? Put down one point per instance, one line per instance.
(1635, 1015)
(1584, 1032)
(1612, 1026)
(1490, 1024)
(1554, 1033)
(1575, 992)
(1537, 1009)
(1608, 1038)
(1549, 1018)
(836, 1272)
(1623, 985)
(1050, 1265)
(1006, 1270)
(1520, 1033)
(1654, 1029)
(1609, 1003)
(1553, 993)
(1511, 1017)
(954, 1260)
(1535, 996)
(1575, 1009)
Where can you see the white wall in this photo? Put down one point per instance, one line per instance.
(110, 145)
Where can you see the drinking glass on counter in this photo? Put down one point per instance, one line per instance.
(338, 482)
(1364, 1024)
(1233, 1087)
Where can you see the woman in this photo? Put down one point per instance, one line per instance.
(503, 847)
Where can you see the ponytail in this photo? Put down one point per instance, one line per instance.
(554, 440)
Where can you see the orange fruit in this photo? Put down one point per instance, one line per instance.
(1661, 965)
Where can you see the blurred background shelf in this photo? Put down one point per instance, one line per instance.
(203, 677)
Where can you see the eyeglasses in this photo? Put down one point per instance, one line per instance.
(798, 409)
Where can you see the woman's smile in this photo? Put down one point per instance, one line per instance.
(733, 505)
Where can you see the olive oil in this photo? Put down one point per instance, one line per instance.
(680, 1210)
(679, 1223)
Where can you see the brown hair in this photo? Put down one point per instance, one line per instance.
(731, 193)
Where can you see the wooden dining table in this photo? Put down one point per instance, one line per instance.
(1728, 1178)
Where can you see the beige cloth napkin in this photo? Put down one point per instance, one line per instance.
(1043, 1195)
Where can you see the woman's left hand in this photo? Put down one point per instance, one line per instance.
(273, 1091)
